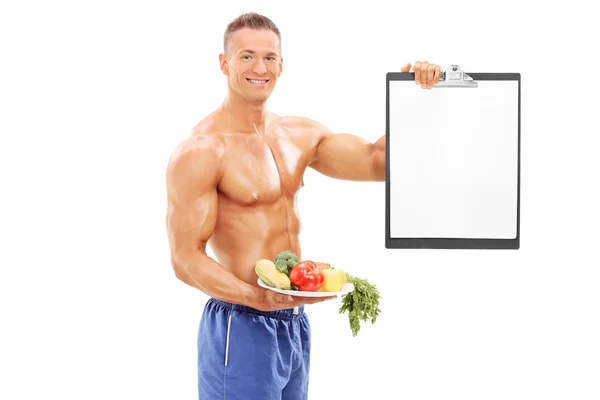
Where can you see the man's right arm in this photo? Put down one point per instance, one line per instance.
(193, 175)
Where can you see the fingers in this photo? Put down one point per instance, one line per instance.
(301, 301)
(406, 68)
(282, 301)
(430, 72)
(274, 299)
(417, 71)
(313, 300)
(282, 298)
(277, 301)
(437, 74)
(427, 75)
(424, 74)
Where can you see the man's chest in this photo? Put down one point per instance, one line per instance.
(262, 170)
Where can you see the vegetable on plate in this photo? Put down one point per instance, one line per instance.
(287, 272)
(285, 261)
(306, 276)
(268, 273)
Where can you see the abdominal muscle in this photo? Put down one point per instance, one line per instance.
(245, 234)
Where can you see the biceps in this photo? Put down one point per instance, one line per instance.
(343, 155)
(191, 224)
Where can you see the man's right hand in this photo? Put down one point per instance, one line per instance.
(268, 300)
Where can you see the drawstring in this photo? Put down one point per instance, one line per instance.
(227, 343)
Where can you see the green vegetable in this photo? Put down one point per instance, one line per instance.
(285, 261)
(362, 304)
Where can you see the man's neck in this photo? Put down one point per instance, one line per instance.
(246, 116)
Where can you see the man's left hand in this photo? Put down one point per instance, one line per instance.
(426, 74)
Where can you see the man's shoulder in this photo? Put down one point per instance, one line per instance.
(304, 126)
(293, 121)
(208, 129)
(203, 145)
(204, 138)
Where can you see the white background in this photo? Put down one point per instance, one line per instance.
(93, 98)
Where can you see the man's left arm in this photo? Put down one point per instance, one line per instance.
(349, 157)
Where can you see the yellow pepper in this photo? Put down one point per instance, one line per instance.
(333, 280)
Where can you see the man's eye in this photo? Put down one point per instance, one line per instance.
(246, 57)
(271, 58)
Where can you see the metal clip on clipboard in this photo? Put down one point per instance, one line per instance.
(454, 76)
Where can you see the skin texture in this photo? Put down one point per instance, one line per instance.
(233, 183)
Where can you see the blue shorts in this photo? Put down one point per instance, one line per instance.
(244, 353)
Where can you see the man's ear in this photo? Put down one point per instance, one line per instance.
(224, 63)
(280, 66)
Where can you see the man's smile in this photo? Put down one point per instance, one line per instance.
(257, 81)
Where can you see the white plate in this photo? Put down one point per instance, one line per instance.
(347, 288)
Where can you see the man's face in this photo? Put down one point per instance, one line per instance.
(254, 63)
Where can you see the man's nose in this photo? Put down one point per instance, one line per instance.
(259, 67)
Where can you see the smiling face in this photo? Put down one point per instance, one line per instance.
(253, 63)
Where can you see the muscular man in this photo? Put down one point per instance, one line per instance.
(232, 184)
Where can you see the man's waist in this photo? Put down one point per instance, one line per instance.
(287, 314)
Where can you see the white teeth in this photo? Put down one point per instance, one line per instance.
(257, 81)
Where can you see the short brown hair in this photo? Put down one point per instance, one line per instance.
(248, 20)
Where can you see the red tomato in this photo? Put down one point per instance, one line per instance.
(306, 276)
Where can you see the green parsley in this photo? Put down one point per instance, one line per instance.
(362, 304)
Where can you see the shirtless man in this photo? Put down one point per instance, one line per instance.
(232, 184)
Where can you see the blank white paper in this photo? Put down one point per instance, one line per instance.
(453, 161)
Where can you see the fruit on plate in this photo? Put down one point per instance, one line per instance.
(323, 265)
(361, 305)
(306, 276)
(334, 279)
(269, 274)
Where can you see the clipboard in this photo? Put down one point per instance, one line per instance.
(453, 161)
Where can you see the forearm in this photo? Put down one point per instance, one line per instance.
(379, 160)
(202, 272)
